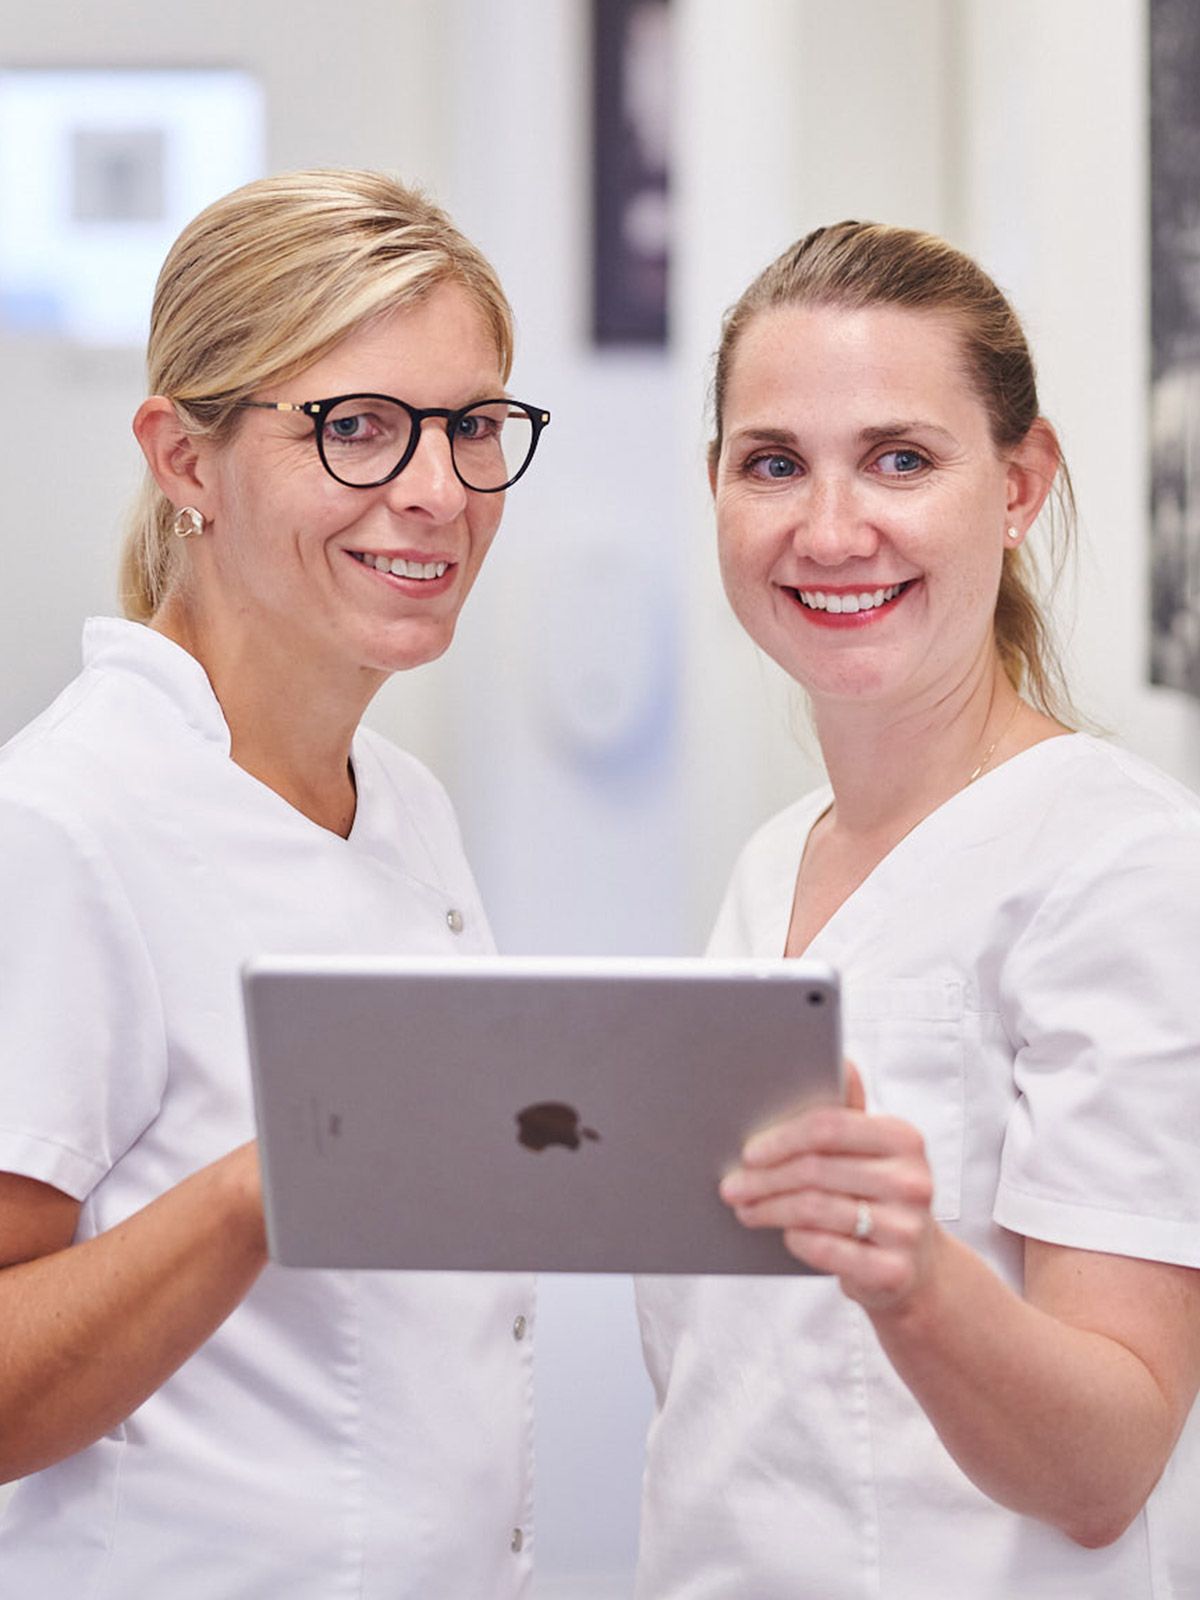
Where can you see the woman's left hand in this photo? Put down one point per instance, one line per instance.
(850, 1191)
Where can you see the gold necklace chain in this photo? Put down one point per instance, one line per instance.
(995, 744)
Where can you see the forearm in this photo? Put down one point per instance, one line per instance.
(1051, 1420)
(89, 1332)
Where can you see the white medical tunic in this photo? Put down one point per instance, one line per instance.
(1021, 983)
(343, 1433)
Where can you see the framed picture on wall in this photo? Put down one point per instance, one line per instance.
(99, 170)
(631, 96)
(1175, 343)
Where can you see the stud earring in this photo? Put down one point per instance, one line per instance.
(1013, 535)
(188, 521)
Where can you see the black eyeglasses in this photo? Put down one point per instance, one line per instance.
(368, 439)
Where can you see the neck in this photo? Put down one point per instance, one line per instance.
(291, 724)
(889, 767)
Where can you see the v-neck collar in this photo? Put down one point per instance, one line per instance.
(977, 800)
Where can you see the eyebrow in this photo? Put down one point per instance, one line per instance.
(904, 426)
(901, 427)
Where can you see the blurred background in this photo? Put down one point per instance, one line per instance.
(608, 735)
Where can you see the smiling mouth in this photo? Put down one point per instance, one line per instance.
(398, 567)
(843, 604)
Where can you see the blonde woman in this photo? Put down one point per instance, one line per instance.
(991, 1393)
(328, 437)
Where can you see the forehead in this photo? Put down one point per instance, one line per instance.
(860, 363)
(443, 341)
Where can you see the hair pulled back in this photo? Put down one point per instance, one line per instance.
(259, 286)
(855, 265)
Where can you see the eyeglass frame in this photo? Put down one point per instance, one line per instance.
(318, 410)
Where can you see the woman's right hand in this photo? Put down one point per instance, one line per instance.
(90, 1330)
(851, 1192)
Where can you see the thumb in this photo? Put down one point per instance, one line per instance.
(856, 1095)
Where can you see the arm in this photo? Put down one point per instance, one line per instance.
(1063, 1405)
(88, 1331)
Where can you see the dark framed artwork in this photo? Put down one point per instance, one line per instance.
(1175, 343)
(631, 99)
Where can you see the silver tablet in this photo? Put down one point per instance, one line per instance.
(500, 1114)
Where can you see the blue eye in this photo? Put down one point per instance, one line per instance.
(904, 462)
(772, 467)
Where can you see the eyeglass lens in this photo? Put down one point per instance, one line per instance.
(364, 437)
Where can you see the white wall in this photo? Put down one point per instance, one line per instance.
(1057, 203)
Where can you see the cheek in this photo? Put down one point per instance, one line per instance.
(746, 553)
(484, 525)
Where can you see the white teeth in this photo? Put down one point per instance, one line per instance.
(840, 604)
(399, 568)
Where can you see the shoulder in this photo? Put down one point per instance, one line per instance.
(1105, 812)
(54, 845)
(1109, 783)
(50, 738)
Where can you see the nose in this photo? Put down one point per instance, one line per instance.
(429, 485)
(832, 526)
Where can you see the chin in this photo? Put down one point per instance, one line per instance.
(411, 647)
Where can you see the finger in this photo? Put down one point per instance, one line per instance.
(872, 1276)
(856, 1094)
(890, 1227)
(904, 1180)
(832, 1130)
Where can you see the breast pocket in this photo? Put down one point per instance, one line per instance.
(906, 1038)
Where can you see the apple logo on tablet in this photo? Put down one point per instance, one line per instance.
(551, 1122)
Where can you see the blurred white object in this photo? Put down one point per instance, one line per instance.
(99, 170)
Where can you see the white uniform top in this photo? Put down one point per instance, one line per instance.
(343, 1433)
(1020, 980)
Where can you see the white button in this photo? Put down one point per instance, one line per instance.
(519, 1328)
(517, 1542)
(454, 920)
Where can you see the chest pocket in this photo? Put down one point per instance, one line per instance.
(906, 1038)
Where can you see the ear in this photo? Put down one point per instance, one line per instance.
(712, 476)
(176, 458)
(1030, 472)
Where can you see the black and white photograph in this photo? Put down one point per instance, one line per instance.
(631, 69)
(1175, 340)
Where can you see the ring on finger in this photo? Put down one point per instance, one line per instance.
(864, 1222)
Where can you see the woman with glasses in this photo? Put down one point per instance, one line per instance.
(989, 1393)
(328, 439)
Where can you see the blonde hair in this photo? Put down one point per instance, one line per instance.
(264, 282)
(860, 264)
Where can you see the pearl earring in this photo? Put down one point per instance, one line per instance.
(188, 521)
(1013, 535)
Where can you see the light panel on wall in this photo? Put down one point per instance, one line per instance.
(99, 170)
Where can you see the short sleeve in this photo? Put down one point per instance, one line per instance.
(1102, 1149)
(82, 1053)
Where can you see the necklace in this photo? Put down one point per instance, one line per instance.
(995, 744)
